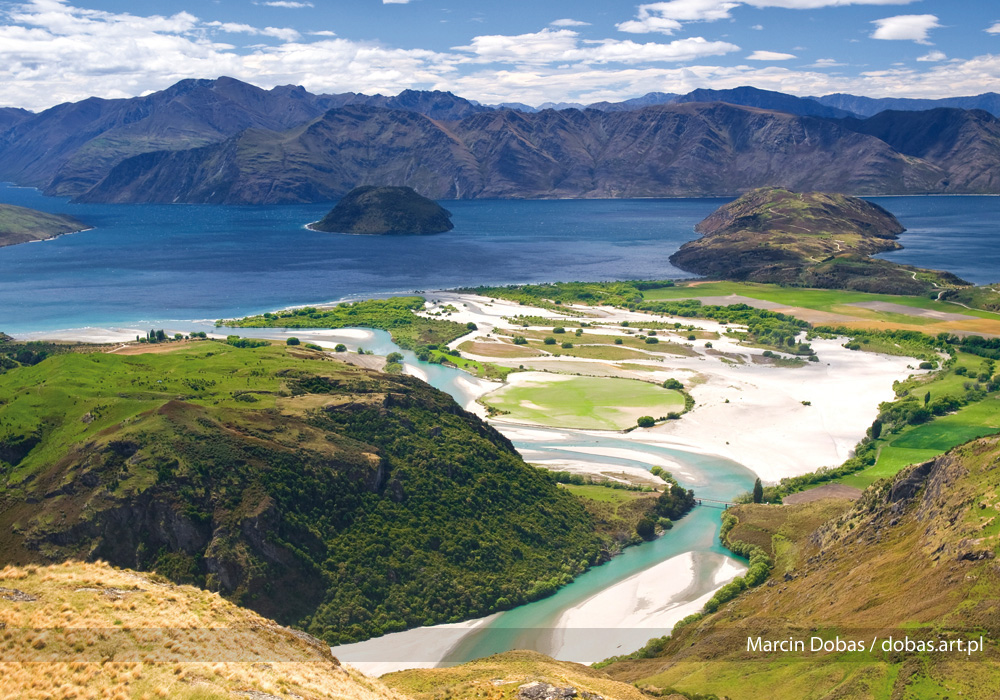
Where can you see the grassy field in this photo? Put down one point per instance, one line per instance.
(593, 403)
(603, 494)
(828, 300)
(920, 443)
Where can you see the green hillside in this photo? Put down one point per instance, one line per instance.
(915, 556)
(23, 225)
(341, 500)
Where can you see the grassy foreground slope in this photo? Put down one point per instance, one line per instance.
(91, 631)
(914, 556)
(23, 225)
(341, 500)
(79, 630)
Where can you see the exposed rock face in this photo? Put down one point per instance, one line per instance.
(385, 210)
(544, 691)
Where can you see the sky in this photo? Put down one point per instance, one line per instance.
(528, 51)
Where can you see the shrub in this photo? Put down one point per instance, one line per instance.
(340, 348)
(618, 341)
(672, 384)
(549, 340)
(645, 422)
(558, 329)
(292, 341)
(472, 326)
(691, 336)
(652, 341)
(567, 345)
(926, 365)
(520, 340)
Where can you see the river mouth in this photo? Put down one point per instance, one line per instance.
(608, 610)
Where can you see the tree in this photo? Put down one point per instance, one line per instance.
(758, 491)
(646, 422)
(394, 357)
(927, 398)
(520, 340)
(646, 528)
(876, 429)
(549, 340)
(472, 326)
(618, 341)
(292, 341)
(672, 384)
(340, 348)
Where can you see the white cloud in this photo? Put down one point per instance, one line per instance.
(562, 45)
(323, 32)
(568, 23)
(665, 17)
(933, 56)
(827, 63)
(769, 56)
(905, 27)
(51, 51)
(816, 4)
(757, 27)
(995, 29)
(288, 3)
(395, 2)
(284, 34)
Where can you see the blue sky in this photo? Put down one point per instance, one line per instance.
(531, 51)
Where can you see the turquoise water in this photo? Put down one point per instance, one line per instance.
(531, 626)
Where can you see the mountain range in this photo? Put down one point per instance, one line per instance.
(225, 141)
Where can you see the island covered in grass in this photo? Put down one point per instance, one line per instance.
(371, 210)
(23, 225)
(807, 239)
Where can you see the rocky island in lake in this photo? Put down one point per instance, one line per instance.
(385, 210)
(23, 225)
(806, 239)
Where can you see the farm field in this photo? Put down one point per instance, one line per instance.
(840, 303)
(593, 403)
(923, 442)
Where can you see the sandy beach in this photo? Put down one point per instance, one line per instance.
(642, 606)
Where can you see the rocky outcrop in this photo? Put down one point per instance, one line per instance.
(374, 210)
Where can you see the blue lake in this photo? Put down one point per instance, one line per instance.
(145, 264)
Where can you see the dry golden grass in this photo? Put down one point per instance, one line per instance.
(499, 677)
(90, 631)
(500, 349)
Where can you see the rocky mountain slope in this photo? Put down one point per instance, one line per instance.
(344, 501)
(915, 556)
(65, 150)
(689, 149)
(869, 106)
(226, 141)
(811, 239)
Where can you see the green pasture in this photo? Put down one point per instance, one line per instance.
(831, 300)
(592, 403)
(922, 442)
